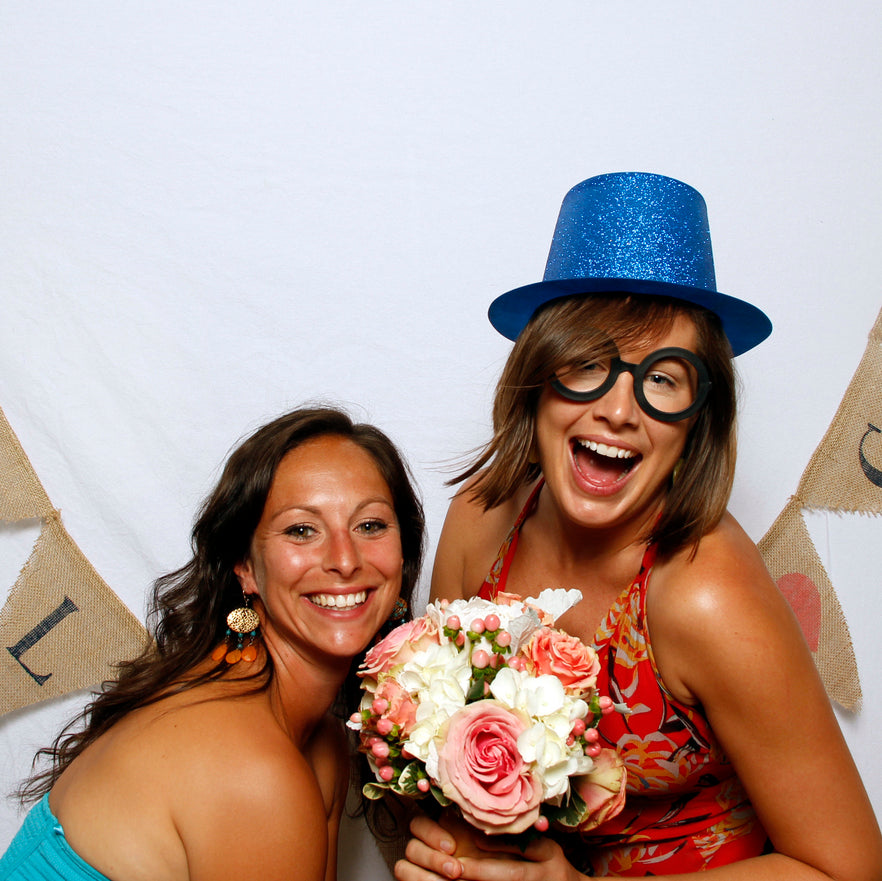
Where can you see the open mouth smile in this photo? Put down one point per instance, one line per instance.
(603, 465)
(339, 600)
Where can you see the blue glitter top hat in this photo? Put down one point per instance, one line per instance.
(637, 233)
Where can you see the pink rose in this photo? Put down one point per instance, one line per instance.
(481, 769)
(556, 653)
(603, 789)
(399, 646)
(402, 709)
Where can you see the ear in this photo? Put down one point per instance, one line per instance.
(245, 573)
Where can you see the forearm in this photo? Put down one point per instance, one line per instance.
(777, 867)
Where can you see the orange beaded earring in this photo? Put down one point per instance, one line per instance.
(243, 622)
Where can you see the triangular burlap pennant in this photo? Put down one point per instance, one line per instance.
(21, 494)
(844, 475)
(795, 566)
(62, 627)
(845, 471)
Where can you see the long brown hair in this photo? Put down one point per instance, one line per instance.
(568, 330)
(187, 617)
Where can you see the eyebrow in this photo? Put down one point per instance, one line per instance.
(316, 512)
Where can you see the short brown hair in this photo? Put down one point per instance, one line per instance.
(576, 328)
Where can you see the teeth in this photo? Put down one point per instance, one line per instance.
(339, 601)
(606, 450)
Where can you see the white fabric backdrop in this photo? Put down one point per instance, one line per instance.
(211, 212)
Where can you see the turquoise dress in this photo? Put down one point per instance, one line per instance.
(40, 852)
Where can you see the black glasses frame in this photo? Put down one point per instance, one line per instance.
(638, 374)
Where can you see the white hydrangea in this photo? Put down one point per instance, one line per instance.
(517, 619)
(439, 680)
(544, 744)
(554, 762)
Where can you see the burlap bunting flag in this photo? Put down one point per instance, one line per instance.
(845, 471)
(844, 475)
(796, 567)
(62, 627)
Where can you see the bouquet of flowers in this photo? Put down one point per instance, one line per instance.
(485, 705)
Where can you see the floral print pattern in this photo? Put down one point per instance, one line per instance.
(685, 810)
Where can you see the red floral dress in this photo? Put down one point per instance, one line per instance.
(685, 809)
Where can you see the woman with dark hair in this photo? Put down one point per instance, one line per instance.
(215, 754)
(609, 470)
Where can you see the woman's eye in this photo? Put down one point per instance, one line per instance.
(373, 527)
(300, 530)
(585, 376)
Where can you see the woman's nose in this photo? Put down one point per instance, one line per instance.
(342, 554)
(618, 406)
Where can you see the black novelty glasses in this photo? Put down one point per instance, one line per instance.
(669, 384)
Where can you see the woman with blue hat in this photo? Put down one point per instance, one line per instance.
(609, 470)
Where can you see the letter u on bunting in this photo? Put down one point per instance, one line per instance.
(844, 475)
(62, 627)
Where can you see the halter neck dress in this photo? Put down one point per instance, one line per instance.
(685, 810)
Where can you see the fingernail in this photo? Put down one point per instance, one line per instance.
(448, 845)
(450, 868)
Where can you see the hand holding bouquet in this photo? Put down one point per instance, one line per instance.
(485, 705)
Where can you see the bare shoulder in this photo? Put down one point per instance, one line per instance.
(239, 732)
(726, 566)
(469, 541)
(241, 778)
(725, 638)
(173, 788)
(721, 602)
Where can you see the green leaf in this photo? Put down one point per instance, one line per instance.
(440, 797)
(375, 791)
(407, 782)
(476, 692)
(570, 813)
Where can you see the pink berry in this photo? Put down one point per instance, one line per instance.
(571, 740)
(478, 626)
(460, 638)
(453, 622)
(606, 705)
(592, 735)
(423, 784)
(355, 717)
(541, 824)
(492, 622)
(503, 640)
(579, 727)
(379, 706)
(380, 749)
(592, 750)
(384, 726)
(480, 659)
(387, 772)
